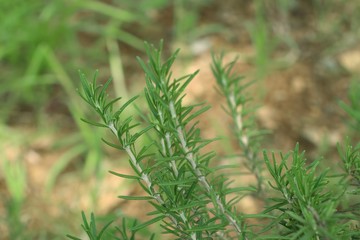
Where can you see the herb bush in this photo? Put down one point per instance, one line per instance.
(193, 199)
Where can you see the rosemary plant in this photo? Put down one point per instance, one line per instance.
(190, 198)
(232, 87)
(307, 207)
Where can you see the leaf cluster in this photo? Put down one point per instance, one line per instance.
(191, 199)
(306, 207)
(90, 228)
(188, 197)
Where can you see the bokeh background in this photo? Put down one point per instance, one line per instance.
(304, 56)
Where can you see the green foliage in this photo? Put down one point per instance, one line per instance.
(190, 198)
(353, 109)
(91, 228)
(259, 33)
(13, 172)
(187, 17)
(307, 209)
(24, 28)
(350, 157)
(15, 178)
(177, 178)
(125, 232)
(232, 86)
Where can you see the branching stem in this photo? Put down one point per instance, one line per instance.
(191, 158)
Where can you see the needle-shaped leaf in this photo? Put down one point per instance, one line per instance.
(125, 175)
(94, 123)
(141, 198)
(145, 224)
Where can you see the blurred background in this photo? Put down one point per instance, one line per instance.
(304, 56)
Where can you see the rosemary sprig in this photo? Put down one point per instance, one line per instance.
(232, 86)
(189, 198)
(178, 136)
